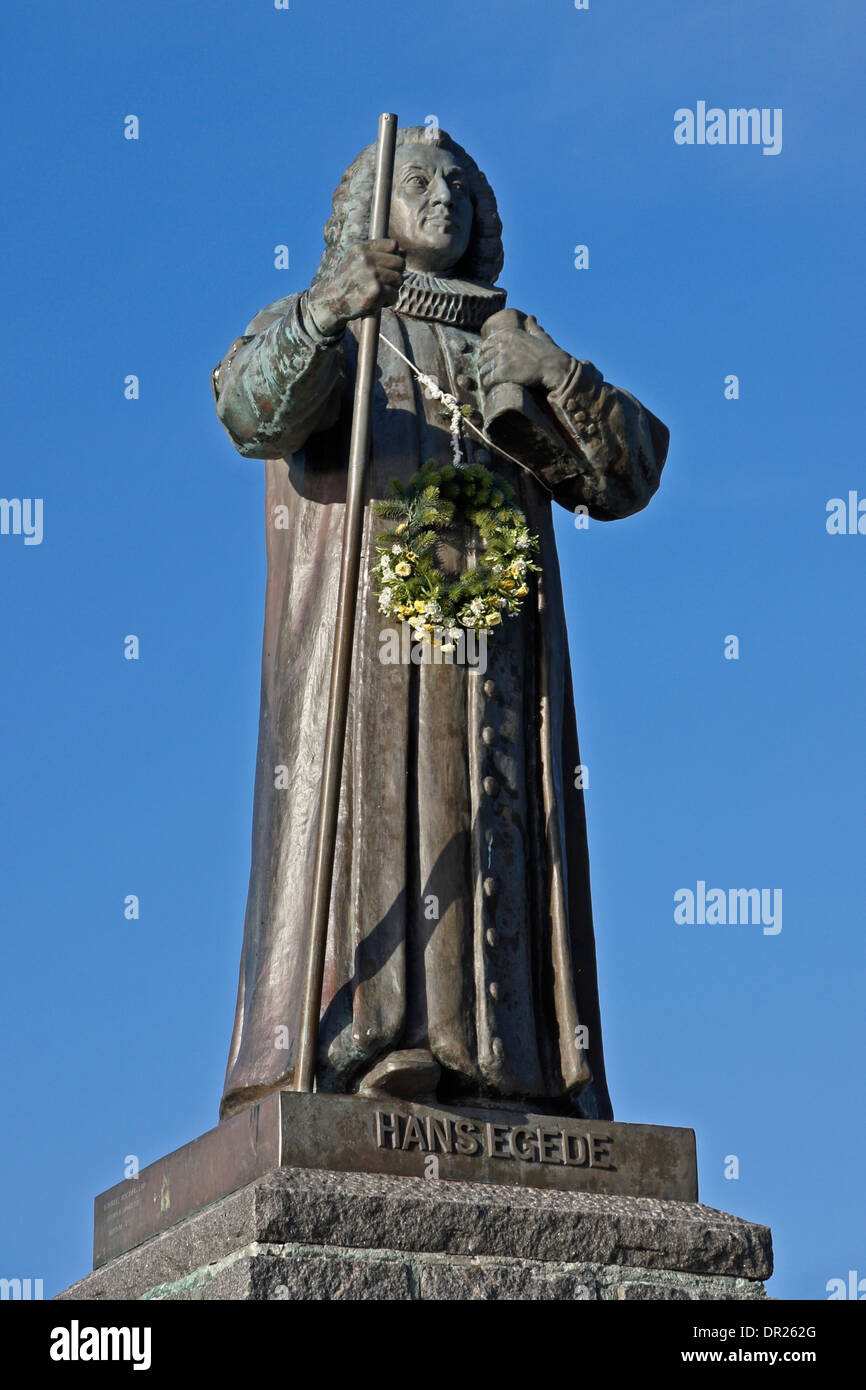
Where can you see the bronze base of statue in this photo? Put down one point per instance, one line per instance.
(470, 1141)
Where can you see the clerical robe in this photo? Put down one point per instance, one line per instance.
(460, 917)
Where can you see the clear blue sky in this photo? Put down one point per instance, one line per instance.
(120, 777)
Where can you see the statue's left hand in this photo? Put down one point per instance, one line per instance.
(527, 356)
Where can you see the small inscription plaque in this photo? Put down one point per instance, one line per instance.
(121, 1204)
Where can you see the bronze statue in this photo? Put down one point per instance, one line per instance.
(461, 960)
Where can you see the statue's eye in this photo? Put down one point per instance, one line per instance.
(416, 181)
(458, 183)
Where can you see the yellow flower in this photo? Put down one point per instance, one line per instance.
(493, 619)
(402, 527)
(420, 606)
(522, 591)
(507, 584)
(403, 569)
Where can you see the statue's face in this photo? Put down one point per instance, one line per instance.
(431, 207)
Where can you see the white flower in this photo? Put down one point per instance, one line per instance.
(396, 549)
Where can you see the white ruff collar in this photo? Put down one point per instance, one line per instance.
(465, 303)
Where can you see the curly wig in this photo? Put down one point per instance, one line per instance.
(352, 203)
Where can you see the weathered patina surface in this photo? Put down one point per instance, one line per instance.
(461, 957)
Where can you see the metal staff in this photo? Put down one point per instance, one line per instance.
(341, 668)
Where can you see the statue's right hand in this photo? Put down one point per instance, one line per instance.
(367, 278)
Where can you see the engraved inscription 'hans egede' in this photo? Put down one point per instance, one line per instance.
(470, 1138)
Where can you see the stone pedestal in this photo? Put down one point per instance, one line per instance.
(330, 1197)
(300, 1233)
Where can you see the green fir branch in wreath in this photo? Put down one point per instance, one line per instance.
(410, 585)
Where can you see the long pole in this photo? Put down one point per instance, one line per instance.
(341, 667)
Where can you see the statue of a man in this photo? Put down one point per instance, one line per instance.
(461, 959)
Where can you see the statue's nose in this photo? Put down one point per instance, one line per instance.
(440, 191)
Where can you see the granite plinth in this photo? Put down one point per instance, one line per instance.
(307, 1234)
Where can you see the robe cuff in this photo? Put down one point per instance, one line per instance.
(220, 371)
(573, 402)
(306, 328)
(299, 372)
(280, 382)
(618, 447)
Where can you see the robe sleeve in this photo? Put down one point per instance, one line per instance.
(616, 448)
(280, 382)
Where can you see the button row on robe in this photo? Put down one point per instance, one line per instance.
(580, 416)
